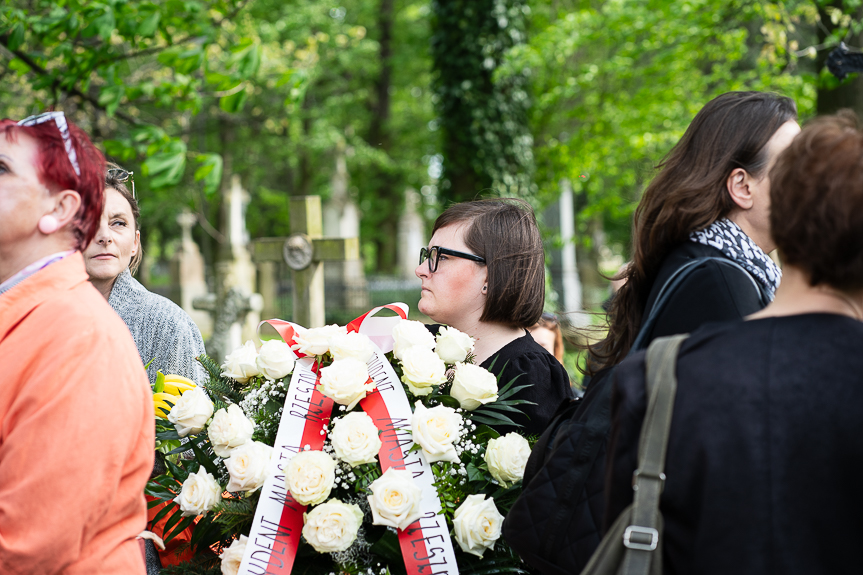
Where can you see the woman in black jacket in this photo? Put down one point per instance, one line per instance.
(709, 199)
(765, 455)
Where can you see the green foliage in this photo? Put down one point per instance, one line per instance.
(483, 119)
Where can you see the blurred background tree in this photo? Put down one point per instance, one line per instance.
(452, 98)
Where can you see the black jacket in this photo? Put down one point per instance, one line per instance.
(765, 452)
(713, 292)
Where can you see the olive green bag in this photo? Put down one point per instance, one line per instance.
(633, 545)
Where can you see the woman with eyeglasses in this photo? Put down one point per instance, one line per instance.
(165, 335)
(483, 274)
(76, 446)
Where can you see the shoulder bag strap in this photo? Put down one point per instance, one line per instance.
(670, 287)
(641, 538)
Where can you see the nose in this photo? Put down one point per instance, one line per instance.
(422, 270)
(103, 236)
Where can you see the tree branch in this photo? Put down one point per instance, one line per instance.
(55, 83)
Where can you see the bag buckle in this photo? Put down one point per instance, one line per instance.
(639, 473)
(640, 533)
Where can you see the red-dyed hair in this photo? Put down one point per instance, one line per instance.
(55, 171)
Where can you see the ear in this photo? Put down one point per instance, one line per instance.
(738, 188)
(137, 242)
(66, 206)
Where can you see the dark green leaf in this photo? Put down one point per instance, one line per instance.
(16, 38)
(233, 103)
(148, 25)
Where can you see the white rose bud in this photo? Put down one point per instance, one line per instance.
(408, 333)
(310, 476)
(275, 359)
(421, 369)
(355, 438)
(352, 345)
(506, 457)
(436, 430)
(346, 381)
(232, 557)
(477, 524)
(332, 526)
(229, 429)
(395, 499)
(473, 386)
(191, 412)
(316, 341)
(199, 494)
(248, 466)
(453, 345)
(242, 363)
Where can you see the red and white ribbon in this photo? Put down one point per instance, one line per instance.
(278, 523)
(426, 545)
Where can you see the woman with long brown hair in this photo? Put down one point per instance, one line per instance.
(710, 199)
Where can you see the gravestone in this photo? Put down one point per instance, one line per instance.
(411, 235)
(187, 274)
(305, 251)
(341, 218)
(235, 307)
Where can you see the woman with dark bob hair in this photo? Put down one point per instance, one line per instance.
(709, 199)
(71, 378)
(483, 274)
(765, 454)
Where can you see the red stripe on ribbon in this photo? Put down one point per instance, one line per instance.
(355, 324)
(291, 520)
(411, 539)
(287, 331)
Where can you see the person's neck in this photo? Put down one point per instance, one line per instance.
(104, 286)
(796, 296)
(489, 337)
(19, 257)
(761, 238)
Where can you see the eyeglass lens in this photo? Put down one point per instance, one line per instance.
(432, 256)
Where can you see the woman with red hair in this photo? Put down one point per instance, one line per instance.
(72, 379)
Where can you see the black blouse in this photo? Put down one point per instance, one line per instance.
(531, 365)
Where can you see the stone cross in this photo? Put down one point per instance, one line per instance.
(304, 251)
(234, 306)
(187, 274)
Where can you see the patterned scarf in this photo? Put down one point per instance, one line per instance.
(727, 237)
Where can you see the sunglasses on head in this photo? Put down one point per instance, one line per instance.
(60, 121)
(122, 176)
(434, 253)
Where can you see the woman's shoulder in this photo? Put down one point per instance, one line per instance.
(523, 355)
(139, 306)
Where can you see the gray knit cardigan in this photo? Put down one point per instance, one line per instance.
(162, 331)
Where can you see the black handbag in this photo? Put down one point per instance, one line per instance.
(555, 524)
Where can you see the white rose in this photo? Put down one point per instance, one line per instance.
(421, 369)
(241, 364)
(477, 524)
(275, 359)
(232, 557)
(395, 499)
(436, 430)
(229, 429)
(191, 412)
(507, 457)
(332, 526)
(355, 438)
(346, 381)
(316, 341)
(199, 494)
(473, 386)
(407, 334)
(248, 466)
(352, 345)
(310, 476)
(453, 345)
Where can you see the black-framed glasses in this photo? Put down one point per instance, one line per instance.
(122, 176)
(434, 253)
(63, 126)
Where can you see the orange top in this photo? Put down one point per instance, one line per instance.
(76, 429)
